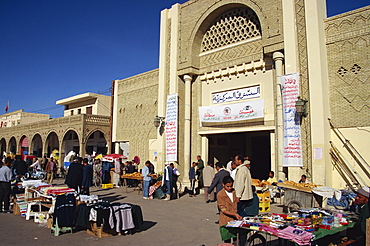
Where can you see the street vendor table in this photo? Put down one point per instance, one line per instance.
(139, 187)
(258, 235)
(296, 197)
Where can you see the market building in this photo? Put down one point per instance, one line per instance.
(87, 130)
(221, 88)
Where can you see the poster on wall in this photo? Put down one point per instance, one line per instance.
(171, 127)
(292, 155)
(232, 112)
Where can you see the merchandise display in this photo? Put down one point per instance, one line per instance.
(302, 227)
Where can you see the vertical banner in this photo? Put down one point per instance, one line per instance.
(171, 127)
(292, 155)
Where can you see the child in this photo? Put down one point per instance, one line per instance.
(192, 178)
(226, 201)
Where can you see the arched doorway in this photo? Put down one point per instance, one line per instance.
(2, 146)
(71, 142)
(24, 146)
(36, 146)
(51, 143)
(96, 143)
(12, 145)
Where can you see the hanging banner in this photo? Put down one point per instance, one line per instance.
(232, 112)
(171, 127)
(292, 155)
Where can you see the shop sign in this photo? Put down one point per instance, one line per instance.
(236, 95)
(232, 112)
(292, 154)
(171, 127)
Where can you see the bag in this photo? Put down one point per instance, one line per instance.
(164, 188)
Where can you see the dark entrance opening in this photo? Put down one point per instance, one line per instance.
(222, 147)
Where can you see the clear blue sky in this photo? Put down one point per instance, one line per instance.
(54, 49)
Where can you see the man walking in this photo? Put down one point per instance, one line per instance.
(50, 169)
(208, 175)
(200, 167)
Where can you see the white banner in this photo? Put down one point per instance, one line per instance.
(292, 155)
(237, 95)
(171, 127)
(232, 112)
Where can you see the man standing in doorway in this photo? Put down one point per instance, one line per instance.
(200, 167)
(242, 185)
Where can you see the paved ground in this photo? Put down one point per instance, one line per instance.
(185, 221)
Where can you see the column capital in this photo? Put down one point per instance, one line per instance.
(277, 56)
(187, 78)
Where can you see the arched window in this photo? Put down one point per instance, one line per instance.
(233, 26)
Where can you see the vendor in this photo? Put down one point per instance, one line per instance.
(303, 179)
(357, 234)
(272, 180)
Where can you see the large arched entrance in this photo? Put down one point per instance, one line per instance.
(23, 145)
(71, 142)
(12, 145)
(36, 146)
(2, 146)
(96, 143)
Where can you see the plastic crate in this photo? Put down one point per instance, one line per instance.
(107, 186)
(264, 207)
(264, 197)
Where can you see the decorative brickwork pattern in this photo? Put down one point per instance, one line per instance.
(231, 27)
(137, 107)
(348, 47)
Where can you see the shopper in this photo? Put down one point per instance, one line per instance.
(200, 167)
(192, 178)
(226, 201)
(5, 178)
(50, 169)
(167, 180)
(208, 175)
(74, 176)
(175, 177)
(19, 166)
(87, 176)
(146, 179)
(243, 185)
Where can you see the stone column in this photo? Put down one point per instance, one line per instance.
(278, 59)
(187, 126)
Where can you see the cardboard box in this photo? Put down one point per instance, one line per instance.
(49, 222)
(99, 232)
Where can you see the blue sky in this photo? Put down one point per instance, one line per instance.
(54, 49)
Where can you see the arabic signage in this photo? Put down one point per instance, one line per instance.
(232, 112)
(292, 155)
(171, 127)
(237, 95)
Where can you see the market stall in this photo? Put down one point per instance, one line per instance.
(307, 226)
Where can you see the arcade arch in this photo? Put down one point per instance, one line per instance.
(51, 143)
(36, 145)
(96, 143)
(12, 145)
(71, 142)
(24, 145)
(2, 146)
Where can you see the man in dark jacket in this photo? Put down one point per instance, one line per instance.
(217, 180)
(19, 166)
(74, 176)
(86, 177)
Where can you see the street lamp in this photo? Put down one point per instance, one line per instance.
(300, 106)
(158, 121)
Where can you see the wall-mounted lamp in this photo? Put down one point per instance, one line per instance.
(158, 121)
(300, 106)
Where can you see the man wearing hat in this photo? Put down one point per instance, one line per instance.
(357, 234)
